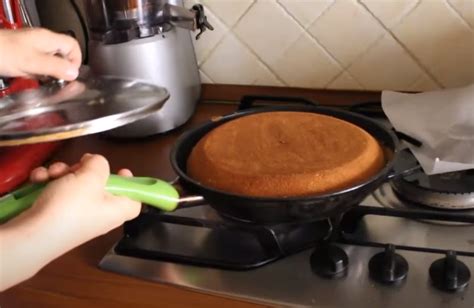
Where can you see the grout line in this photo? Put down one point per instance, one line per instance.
(282, 7)
(210, 52)
(277, 77)
(385, 31)
(322, 13)
(458, 14)
(243, 14)
(305, 29)
(358, 57)
(413, 85)
(357, 82)
(342, 66)
(231, 31)
(260, 60)
(312, 21)
(206, 75)
(404, 14)
(407, 50)
(319, 44)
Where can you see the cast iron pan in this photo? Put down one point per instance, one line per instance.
(291, 209)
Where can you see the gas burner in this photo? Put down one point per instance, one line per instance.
(453, 191)
(450, 191)
(386, 196)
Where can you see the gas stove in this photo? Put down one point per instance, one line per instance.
(411, 242)
(174, 249)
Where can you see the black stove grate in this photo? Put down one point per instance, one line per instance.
(351, 220)
(232, 245)
(226, 243)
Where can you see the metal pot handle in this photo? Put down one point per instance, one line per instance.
(187, 201)
(409, 166)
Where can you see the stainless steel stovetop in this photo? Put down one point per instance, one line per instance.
(290, 280)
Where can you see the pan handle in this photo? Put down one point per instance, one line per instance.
(392, 175)
(150, 191)
(186, 200)
(405, 165)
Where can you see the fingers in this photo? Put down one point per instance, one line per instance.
(69, 49)
(49, 53)
(125, 172)
(94, 168)
(125, 208)
(94, 165)
(38, 51)
(55, 43)
(54, 171)
(51, 65)
(58, 169)
(75, 167)
(39, 175)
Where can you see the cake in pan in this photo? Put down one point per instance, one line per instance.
(285, 154)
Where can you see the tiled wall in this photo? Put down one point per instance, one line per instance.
(339, 44)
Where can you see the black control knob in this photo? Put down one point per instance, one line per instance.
(388, 267)
(329, 261)
(449, 274)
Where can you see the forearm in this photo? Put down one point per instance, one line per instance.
(26, 246)
(70, 211)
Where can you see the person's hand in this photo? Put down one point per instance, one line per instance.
(31, 52)
(73, 208)
(77, 203)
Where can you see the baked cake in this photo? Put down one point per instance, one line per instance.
(285, 154)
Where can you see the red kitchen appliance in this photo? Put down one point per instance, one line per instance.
(17, 162)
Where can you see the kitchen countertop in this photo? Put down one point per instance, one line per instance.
(74, 280)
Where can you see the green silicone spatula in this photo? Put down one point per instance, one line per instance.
(150, 191)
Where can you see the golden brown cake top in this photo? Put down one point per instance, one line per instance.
(284, 142)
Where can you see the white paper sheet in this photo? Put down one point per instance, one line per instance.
(442, 120)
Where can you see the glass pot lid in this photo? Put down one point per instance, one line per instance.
(61, 110)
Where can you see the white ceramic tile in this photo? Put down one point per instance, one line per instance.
(209, 39)
(441, 41)
(437, 33)
(390, 12)
(385, 66)
(204, 77)
(232, 63)
(267, 78)
(228, 10)
(465, 8)
(344, 82)
(424, 83)
(346, 30)
(306, 11)
(305, 64)
(268, 30)
(190, 3)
